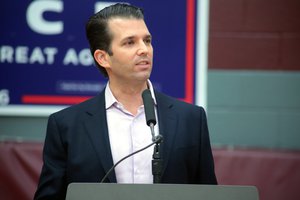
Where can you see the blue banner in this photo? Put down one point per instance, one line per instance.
(45, 57)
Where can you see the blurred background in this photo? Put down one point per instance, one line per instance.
(253, 104)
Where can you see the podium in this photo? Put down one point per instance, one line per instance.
(113, 191)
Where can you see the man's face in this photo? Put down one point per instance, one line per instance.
(132, 50)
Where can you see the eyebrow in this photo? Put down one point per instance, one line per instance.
(132, 37)
(148, 36)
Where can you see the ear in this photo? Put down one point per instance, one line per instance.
(102, 58)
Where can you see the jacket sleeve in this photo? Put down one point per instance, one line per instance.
(207, 171)
(52, 183)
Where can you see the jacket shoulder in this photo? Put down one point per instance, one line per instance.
(90, 106)
(178, 104)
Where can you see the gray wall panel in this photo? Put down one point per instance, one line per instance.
(22, 128)
(254, 108)
(244, 128)
(289, 129)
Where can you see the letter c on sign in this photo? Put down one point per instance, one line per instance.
(35, 18)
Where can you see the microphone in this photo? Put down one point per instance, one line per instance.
(149, 111)
(149, 107)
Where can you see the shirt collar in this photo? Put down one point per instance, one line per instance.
(150, 87)
(110, 99)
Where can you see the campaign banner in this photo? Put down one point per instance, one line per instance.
(45, 57)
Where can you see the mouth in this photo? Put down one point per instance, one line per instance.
(143, 62)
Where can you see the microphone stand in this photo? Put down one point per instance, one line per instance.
(156, 164)
(157, 160)
(151, 121)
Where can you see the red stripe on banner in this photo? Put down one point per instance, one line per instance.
(48, 99)
(190, 41)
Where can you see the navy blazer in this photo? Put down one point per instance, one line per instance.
(77, 147)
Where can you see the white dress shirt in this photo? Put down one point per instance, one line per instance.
(127, 134)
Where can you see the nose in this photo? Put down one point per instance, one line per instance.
(143, 48)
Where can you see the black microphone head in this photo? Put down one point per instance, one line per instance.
(149, 107)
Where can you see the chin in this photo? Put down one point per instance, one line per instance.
(144, 77)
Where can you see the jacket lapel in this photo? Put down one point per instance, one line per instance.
(97, 130)
(167, 120)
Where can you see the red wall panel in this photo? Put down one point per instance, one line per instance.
(291, 50)
(272, 15)
(254, 34)
(227, 15)
(244, 50)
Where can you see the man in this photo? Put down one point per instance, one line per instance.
(84, 141)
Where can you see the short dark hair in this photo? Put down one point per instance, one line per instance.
(97, 31)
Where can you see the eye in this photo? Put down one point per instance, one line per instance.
(128, 42)
(148, 41)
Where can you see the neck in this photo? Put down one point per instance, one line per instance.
(130, 95)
